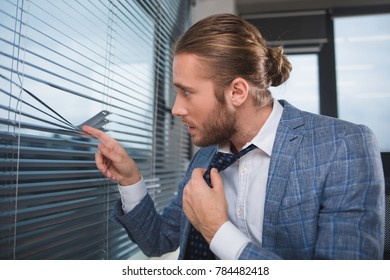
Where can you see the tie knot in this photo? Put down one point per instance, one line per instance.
(221, 161)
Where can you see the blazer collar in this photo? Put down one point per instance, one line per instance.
(291, 117)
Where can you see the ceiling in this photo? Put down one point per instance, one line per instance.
(269, 6)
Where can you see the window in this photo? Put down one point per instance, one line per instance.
(61, 64)
(302, 88)
(303, 35)
(362, 62)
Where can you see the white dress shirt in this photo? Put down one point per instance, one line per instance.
(245, 186)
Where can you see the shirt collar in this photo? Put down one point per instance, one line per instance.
(264, 139)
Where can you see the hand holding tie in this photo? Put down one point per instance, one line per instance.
(206, 208)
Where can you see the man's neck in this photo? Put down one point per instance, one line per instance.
(249, 123)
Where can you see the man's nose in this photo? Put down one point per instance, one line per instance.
(178, 108)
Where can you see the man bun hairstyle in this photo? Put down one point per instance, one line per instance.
(279, 66)
(231, 47)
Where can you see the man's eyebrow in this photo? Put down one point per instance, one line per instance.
(183, 87)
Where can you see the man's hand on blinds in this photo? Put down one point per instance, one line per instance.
(112, 159)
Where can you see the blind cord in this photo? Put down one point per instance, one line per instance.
(20, 78)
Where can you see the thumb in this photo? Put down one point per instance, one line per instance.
(216, 180)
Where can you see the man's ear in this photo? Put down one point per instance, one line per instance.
(239, 91)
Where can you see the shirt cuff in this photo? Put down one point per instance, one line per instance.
(228, 234)
(131, 195)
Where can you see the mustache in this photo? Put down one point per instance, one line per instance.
(185, 122)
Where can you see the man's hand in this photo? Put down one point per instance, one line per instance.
(112, 159)
(206, 208)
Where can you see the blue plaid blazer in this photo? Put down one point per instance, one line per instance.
(324, 197)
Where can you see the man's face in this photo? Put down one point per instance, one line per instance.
(208, 121)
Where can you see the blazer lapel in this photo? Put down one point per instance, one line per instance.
(287, 141)
(203, 161)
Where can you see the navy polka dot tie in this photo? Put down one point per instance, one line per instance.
(197, 246)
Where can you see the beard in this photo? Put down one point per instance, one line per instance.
(219, 127)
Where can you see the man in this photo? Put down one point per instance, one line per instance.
(312, 187)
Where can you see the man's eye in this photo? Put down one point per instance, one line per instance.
(186, 92)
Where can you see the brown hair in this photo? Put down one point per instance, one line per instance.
(231, 47)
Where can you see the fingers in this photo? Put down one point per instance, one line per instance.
(199, 200)
(100, 163)
(90, 130)
(108, 146)
(197, 181)
(104, 164)
(216, 180)
(113, 153)
(103, 157)
(112, 159)
(198, 173)
(104, 138)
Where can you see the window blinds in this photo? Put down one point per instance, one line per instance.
(61, 63)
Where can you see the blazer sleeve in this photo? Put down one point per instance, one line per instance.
(350, 220)
(352, 216)
(155, 233)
